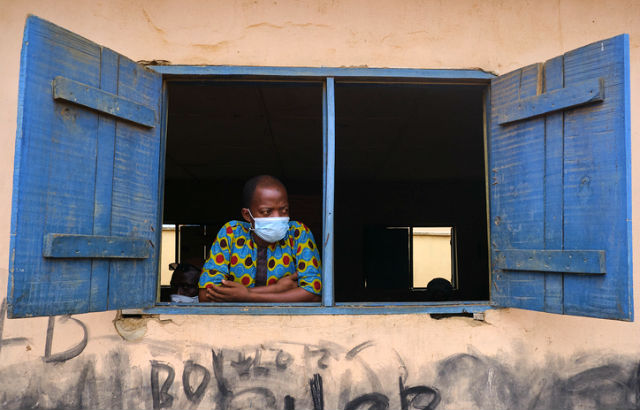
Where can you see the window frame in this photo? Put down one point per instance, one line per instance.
(328, 77)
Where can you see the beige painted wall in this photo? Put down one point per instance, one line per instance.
(495, 35)
(431, 255)
(167, 255)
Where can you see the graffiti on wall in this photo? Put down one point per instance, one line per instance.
(227, 396)
(285, 375)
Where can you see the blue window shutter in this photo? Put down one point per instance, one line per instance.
(560, 187)
(85, 216)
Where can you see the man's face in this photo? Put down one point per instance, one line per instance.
(268, 201)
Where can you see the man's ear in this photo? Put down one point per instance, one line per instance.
(245, 214)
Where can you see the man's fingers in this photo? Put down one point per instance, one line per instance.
(293, 277)
(216, 294)
(227, 291)
(218, 291)
(231, 284)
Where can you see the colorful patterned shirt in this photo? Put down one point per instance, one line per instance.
(235, 253)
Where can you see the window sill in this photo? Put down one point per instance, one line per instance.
(372, 308)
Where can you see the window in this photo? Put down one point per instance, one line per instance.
(548, 170)
(409, 154)
(221, 130)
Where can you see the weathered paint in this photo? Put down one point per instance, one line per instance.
(364, 308)
(587, 92)
(346, 72)
(565, 362)
(552, 261)
(328, 170)
(99, 100)
(63, 181)
(179, 363)
(591, 185)
(93, 246)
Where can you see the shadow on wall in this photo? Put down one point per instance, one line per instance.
(318, 376)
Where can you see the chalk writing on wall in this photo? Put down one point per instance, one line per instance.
(286, 375)
(408, 396)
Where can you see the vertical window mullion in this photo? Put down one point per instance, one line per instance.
(328, 188)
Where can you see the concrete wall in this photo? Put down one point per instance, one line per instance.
(514, 359)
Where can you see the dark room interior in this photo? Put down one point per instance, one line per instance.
(407, 155)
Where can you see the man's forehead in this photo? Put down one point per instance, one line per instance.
(269, 192)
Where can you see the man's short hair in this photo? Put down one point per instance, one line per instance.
(252, 184)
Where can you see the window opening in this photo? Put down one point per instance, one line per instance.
(221, 133)
(409, 156)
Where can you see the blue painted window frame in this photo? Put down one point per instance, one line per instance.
(328, 76)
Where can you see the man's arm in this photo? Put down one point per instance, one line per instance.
(284, 284)
(235, 292)
(307, 259)
(216, 267)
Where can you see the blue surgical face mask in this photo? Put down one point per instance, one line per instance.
(271, 229)
(183, 299)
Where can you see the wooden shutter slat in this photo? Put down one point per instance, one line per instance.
(58, 245)
(539, 260)
(105, 102)
(587, 92)
(553, 185)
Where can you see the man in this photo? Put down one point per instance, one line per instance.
(267, 258)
